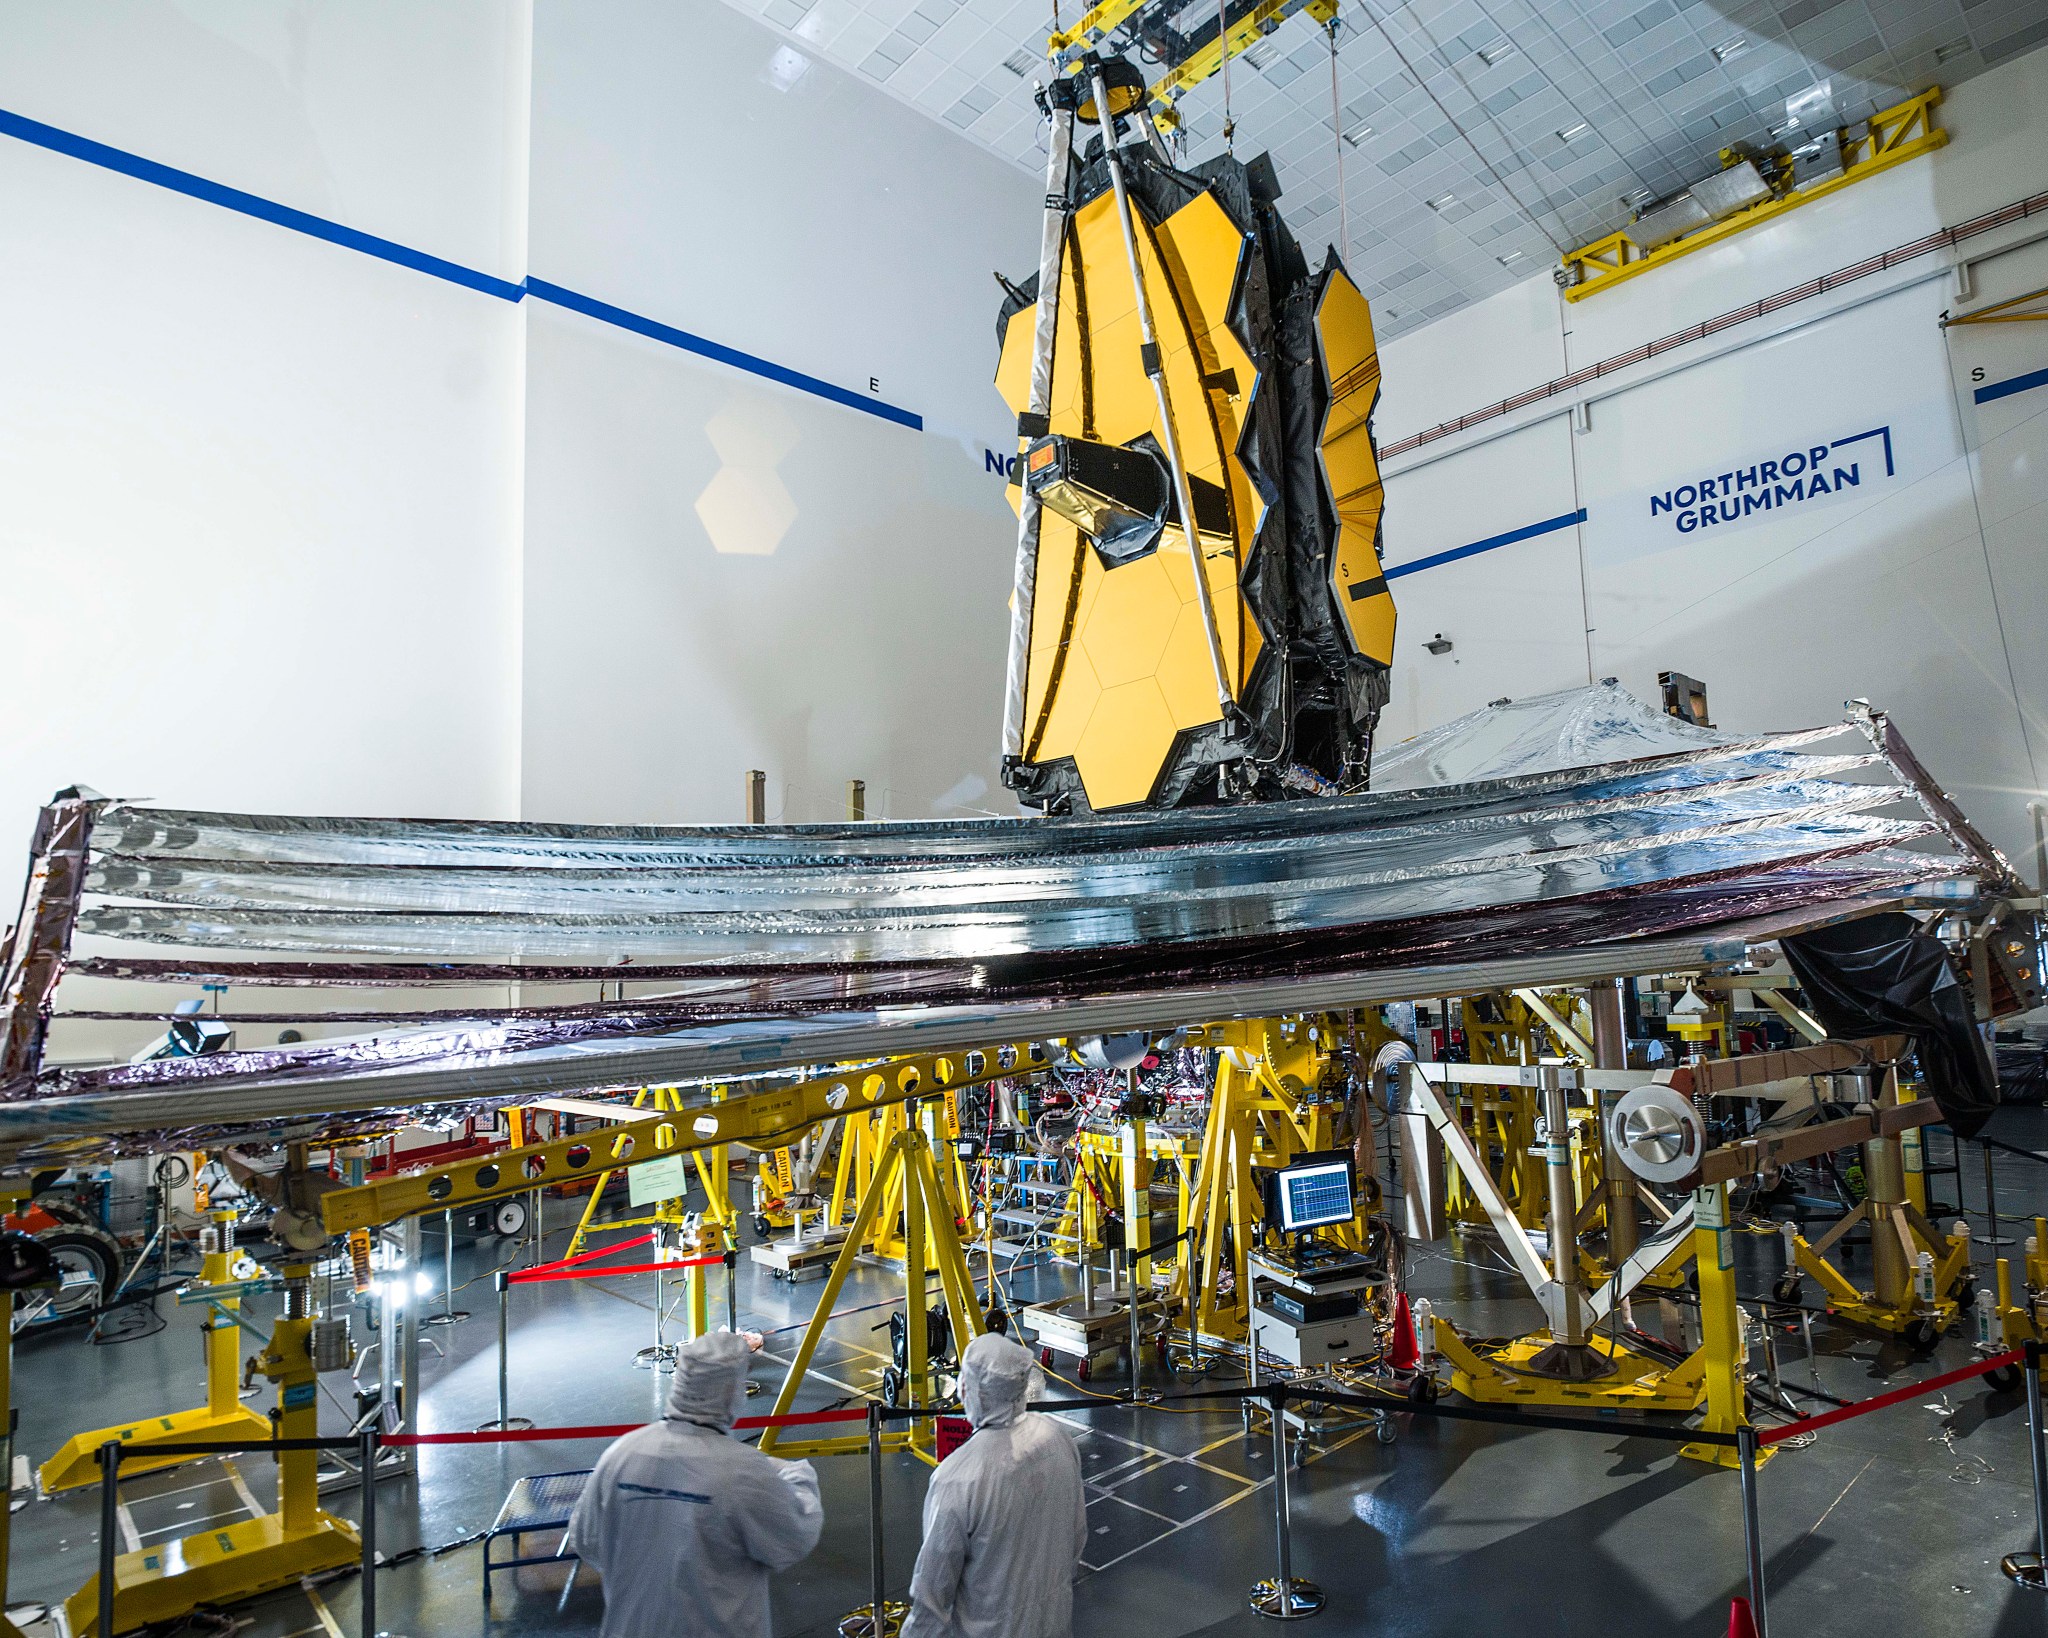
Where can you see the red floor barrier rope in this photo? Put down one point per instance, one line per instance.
(611, 1430)
(1898, 1396)
(602, 1251)
(556, 1271)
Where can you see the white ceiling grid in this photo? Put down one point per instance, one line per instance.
(1480, 137)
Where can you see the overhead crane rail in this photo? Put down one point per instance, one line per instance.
(1885, 140)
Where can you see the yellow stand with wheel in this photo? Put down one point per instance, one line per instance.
(906, 1171)
(240, 1560)
(223, 1416)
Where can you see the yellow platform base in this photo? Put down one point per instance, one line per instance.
(1638, 1382)
(78, 1462)
(214, 1567)
(1725, 1455)
(1894, 1321)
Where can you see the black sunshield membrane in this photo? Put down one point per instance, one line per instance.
(1884, 974)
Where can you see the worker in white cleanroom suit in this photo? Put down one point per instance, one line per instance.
(686, 1523)
(1004, 1518)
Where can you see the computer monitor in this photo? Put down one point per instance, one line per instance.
(1312, 1194)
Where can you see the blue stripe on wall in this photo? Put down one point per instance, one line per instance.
(1491, 543)
(248, 204)
(591, 307)
(387, 250)
(2019, 383)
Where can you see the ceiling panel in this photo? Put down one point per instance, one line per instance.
(1464, 143)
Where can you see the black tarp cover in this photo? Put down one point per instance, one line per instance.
(1886, 973)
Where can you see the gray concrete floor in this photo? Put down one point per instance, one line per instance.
(1889, 1524)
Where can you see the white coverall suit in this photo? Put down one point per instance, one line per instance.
(685, 1523)
(1005, 1517)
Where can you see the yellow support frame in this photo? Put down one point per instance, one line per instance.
(224, 1564)
(761, 1118)
(1067, 47)
(1891, 138)
(2018, 1322)
(931, 1240)
(667, 1100)
(222, 1417)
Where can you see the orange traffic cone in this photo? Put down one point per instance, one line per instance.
(1403, 1354)
(1741, 1624)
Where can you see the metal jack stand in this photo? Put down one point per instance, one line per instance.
(881, 1618)
(1284, 1597)
(450, 1314)
(2031, 1569)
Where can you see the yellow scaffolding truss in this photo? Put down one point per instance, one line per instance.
(1890, 138)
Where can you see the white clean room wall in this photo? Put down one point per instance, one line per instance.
(399, 119)
(1921, 589)
(259, 539)
(724, 572)
(1525, 644)
(1878, 588)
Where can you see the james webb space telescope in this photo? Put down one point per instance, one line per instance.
(1175, 354)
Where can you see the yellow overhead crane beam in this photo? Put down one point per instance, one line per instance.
(1067, 47)
(1890, 138)
(762, 1118)
(1999, 312)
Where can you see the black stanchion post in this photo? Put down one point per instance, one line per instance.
(504, 1283)
(369, 1529)
(880, 1619)
(732, 1288)
(1286, 1597)
(2031, 1569)
(110, 1525)
(1752, 1530)
(1993, 1238)
(506, 1421)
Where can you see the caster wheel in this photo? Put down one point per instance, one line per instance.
(1385, 1432)
(1922, 1334)
(762, 1227)
(2004, 1379)
(1083, 1373)
(1045, 1357)
(892, 1386)
(1422, 1391)
(1787, 1288)
(1966, 1293)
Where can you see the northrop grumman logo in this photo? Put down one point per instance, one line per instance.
(1794, 478)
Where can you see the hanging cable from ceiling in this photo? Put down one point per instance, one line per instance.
(1499, 181)
(1337, 147)
(1223, 46)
